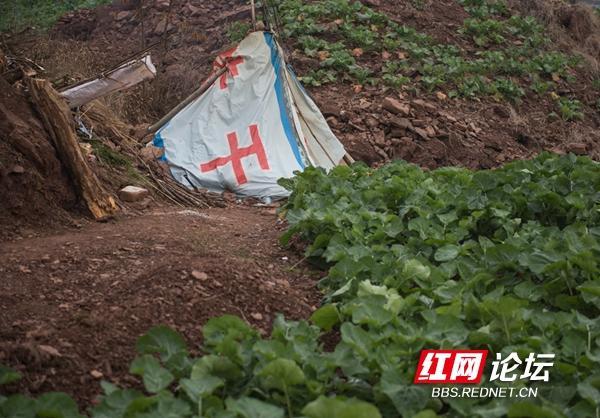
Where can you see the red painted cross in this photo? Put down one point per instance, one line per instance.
(235, 158)
(227, 59)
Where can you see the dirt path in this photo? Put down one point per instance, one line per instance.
(75, 302)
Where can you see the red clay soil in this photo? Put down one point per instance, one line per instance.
(76, 301)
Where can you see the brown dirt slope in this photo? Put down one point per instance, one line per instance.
(76, 301)
(476, 133)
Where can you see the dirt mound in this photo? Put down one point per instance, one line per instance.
(35, 188)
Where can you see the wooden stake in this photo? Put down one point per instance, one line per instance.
(58, 121)
(253, 15)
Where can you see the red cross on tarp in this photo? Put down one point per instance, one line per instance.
(235, 158)
(227, 59)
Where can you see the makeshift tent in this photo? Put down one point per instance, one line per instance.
(253, 125)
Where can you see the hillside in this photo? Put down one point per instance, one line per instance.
(471, 220)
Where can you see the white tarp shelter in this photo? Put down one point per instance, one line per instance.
(254, 125)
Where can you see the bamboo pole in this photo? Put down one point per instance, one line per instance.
(197, 93)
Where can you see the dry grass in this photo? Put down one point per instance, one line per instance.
(574, 28)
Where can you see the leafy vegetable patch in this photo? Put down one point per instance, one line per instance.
(511, 56)
(504, 260)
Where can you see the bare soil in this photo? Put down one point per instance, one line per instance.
(76, 300)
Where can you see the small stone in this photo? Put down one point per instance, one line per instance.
(48, 349)
(133, 193)
(329, 109)
(123, 15)
(423, 105)
(97, 374)
(430, 131)
(577, 148)
(24, 269)
(257, 315)
(199, 275)
(162, 5)
(357, 52)
(441, 96)
(18, 169)
(394, 106)
(401, 123)
(422, 133)
(371, 122)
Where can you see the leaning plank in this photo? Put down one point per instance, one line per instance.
(58, 121)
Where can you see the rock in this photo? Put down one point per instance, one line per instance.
(333, 122)
(394, 106)
(401, 123)
(430, 131)
(381, 153)
(199, 275)
(422, 133)
(577, 148)
(357, 52)
(257, 315)
(163, 26)
(380, 138)
(125, 14)
(423, 105)
(441, 96)
(48, 349)
(162, 5)
(133, 193)
(330, 109)
(371, 122)
(151, 153)
(386, 56)
(396, 133)
(18, 169)
(97, 374)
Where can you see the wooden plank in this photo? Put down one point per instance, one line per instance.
(58, 121)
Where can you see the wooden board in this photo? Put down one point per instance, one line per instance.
(58, 121)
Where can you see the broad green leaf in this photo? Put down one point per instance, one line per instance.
(247, 407)
(8, 375)
(18, 406)
(281, 374)
(115, 404)
(154, 376)
(201, 386)
(338, 407)
(217, 329)
(326, 317)
(56, 404)
(161, 340)
(446, 253)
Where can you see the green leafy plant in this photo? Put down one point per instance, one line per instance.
(17, 14)
(505, 260)
(237, 31)
(569, 109)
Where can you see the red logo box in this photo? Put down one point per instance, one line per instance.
(450, 366)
